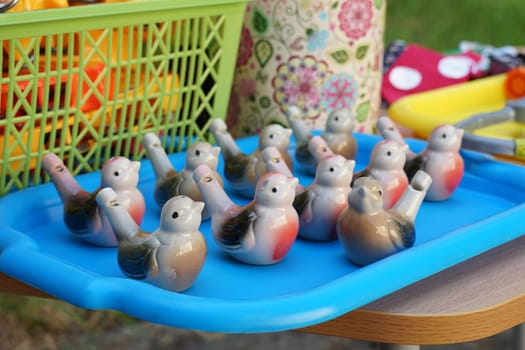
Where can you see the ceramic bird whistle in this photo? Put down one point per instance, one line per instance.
(172, 256)
(386, 164)
(260, 232)
(321, 203)
(169, 181)
(241, 170)
(369, 233)
(81, 214)
(442, 160)
(389, 131)
(338, 133)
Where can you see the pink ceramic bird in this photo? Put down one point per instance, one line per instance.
(170, 182)
(369, 233)
(259, 233)
(386, 165)
(172, 256)
(242, 171)
(337, 134)
(320, 204)
(81, 213)
(441, 160)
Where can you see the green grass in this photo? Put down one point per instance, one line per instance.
(442, 24)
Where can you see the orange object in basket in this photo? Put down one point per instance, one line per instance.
(32, 43)
(30, 5)
(515, 83)
(51, 92)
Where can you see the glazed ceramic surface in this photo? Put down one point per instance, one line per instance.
(171, 182)
(441, 158)
(260, 232)
(367, 232)
(314, 283)
(337, 134)
(81, 214)
(386, 164)
(242, 170)
(320, 203)
(172, 256)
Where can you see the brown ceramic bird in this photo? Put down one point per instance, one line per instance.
(169, 181)
(368, 232)
(337, 134)
(172, 256)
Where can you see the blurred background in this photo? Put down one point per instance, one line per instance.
(35, 323)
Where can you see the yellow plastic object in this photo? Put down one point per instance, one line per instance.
(91, 80)
(424, 111)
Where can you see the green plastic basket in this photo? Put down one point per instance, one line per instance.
(87, 82)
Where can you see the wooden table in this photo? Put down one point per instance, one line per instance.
(475, 299)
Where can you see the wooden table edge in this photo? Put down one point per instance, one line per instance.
(385, 327)
(430, 329)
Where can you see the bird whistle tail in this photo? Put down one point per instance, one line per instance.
(121, 221)
(292, 112)
(223, 138)
(410, 202)
(218, 125)
(107, 197)
(203, 173)
(274, 161)
(389, 130)
(421, 181)
(64, 182)
(157, 155)
(150, 140)
(318, 148)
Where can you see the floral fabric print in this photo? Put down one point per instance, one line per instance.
(318, 55)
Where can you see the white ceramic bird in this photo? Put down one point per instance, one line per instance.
(172, 256)
(369, 233)
(259, 233)
(81, 214)
(169, 181)
(242, 171)
(320, 204)
(386, 163)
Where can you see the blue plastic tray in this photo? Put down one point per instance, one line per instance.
(313, 284)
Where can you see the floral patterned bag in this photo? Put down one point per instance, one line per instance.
(316, 54)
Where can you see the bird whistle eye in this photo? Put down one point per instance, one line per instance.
(275, 160)
(113, 203)
(324, 149)
(59, 168)
(207, 179)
